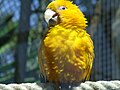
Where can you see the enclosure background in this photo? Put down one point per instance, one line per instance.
(22, 27)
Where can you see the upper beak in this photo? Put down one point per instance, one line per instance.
(51, 17)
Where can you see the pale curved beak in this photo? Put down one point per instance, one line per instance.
(51, 17)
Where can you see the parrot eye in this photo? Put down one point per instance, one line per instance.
(62, 8)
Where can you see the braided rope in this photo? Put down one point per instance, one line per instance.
(88, 85)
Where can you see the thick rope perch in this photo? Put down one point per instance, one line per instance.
(88, 85)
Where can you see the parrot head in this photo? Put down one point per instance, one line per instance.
(64, 13)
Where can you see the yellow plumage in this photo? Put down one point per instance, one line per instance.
(66, 54)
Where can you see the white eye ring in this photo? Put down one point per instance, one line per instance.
(62, 8)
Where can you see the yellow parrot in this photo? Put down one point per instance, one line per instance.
(66, 53)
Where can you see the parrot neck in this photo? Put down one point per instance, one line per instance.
(68, 27)
(74, 26)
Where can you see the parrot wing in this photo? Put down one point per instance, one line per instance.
(88, 73)
(41, 61)
(89, 67)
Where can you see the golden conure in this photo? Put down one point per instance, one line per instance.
(66, 53)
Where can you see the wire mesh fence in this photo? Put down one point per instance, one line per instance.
(106, 65)
(103, 25)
